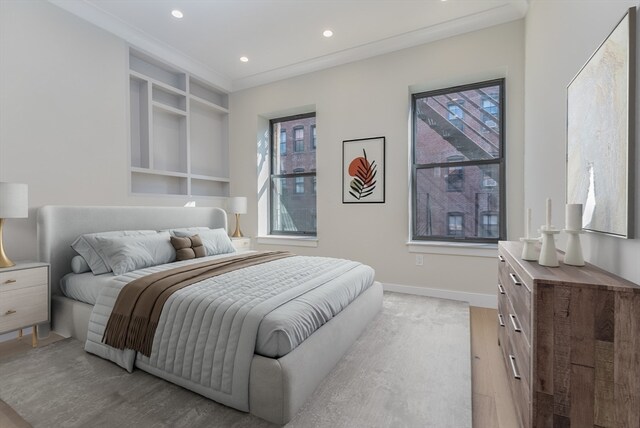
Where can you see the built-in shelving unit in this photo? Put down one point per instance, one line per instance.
(179, 131)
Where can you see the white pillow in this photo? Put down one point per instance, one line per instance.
(86, 246)
(215, 241)
(79, 265)
(126, 253)
(186, 231)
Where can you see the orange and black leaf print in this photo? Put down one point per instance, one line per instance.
(364, 176)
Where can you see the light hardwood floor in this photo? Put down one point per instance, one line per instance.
(492, 404)
(491, 398)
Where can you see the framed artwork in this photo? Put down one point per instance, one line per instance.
(363, 171)
(601, 133)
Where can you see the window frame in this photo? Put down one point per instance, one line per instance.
(295, 140)
(272, 176)
(500, 161)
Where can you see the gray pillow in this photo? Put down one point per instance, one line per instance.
(126, 253)
(215, 241)
(86, 245)
(79, 265)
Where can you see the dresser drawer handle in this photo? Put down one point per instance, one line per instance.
(514, 369)
(501, 320)
(513, 319)
(515, 279)
(10, 281)
(500, 288)
(500, 258)
(10, 312)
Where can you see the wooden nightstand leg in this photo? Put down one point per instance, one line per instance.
(19, 334)
(34, 336)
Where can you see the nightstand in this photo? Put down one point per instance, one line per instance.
(24, 297)
(241, 244)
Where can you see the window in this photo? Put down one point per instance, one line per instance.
(456, 114)
(299, 180)
(490, 111)
(455, 224)
(489, 225)
(298, 137)
(292, 209)
(283, 142)
(455, 176)
(457, 179)
(313, 137)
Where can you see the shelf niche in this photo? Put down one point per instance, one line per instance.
(179, 131)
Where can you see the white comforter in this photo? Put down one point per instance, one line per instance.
(207, 332)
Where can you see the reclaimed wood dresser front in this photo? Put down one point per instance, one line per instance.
(570, 338)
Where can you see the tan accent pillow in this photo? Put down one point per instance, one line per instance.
(188, 248)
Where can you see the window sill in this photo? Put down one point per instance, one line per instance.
(294, 241)
(454, 249)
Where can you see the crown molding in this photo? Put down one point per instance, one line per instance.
(151, 45)
(144, 42)
(477, 21)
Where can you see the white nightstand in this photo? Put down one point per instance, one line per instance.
(241, 244)
(24, 297)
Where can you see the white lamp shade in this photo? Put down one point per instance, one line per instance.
(237, 205)
(14, 200)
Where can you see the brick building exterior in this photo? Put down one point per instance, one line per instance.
(458, 201)
(294, 153)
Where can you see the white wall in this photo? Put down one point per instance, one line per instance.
(372, 98)
(560, 36)
(63, 115)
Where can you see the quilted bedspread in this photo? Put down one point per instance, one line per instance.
(206, 335)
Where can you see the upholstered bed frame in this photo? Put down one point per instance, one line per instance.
(277, 387)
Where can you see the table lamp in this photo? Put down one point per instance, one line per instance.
(14, 203)
(237, 206)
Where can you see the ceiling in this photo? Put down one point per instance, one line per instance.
(283, 38)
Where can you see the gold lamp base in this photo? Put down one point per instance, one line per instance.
(5, 262)
(238, 232)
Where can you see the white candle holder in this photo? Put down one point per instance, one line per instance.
(548, 254)
(529, 252)
(573, 255)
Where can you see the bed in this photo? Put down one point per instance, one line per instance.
(277, 385)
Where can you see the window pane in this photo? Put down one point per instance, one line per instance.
(464, 123)
(293, 211)
(472, 212)
(287, 161)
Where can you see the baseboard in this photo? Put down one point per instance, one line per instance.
(474, 299)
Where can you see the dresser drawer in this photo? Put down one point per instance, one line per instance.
(241, 244)
(519, 296)
(519, 389)
(23, 307)
(16, 279)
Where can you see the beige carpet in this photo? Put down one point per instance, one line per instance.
(410, 368)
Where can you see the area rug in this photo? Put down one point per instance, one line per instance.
(410, 368)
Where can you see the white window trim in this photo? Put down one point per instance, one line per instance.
(454, 248)
(294, 241)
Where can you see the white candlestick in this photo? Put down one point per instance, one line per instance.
(527, 224)
(573, 215)
(548, 213)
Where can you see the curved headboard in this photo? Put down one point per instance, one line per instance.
(59, 226)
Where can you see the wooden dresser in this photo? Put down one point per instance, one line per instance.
(570, 338)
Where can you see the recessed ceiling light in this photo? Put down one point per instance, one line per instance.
(327, 33)
(177, 14)
(244, 59)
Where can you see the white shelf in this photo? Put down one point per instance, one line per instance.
(208, 104)
(168, 109)
(159, 172)
(210, 178)
(157, 83)
(178, 123)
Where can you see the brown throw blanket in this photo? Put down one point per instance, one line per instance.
(136, 313)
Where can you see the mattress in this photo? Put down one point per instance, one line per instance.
(280, 331)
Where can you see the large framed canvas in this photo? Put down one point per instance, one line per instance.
(363, 171)
(600, 134)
